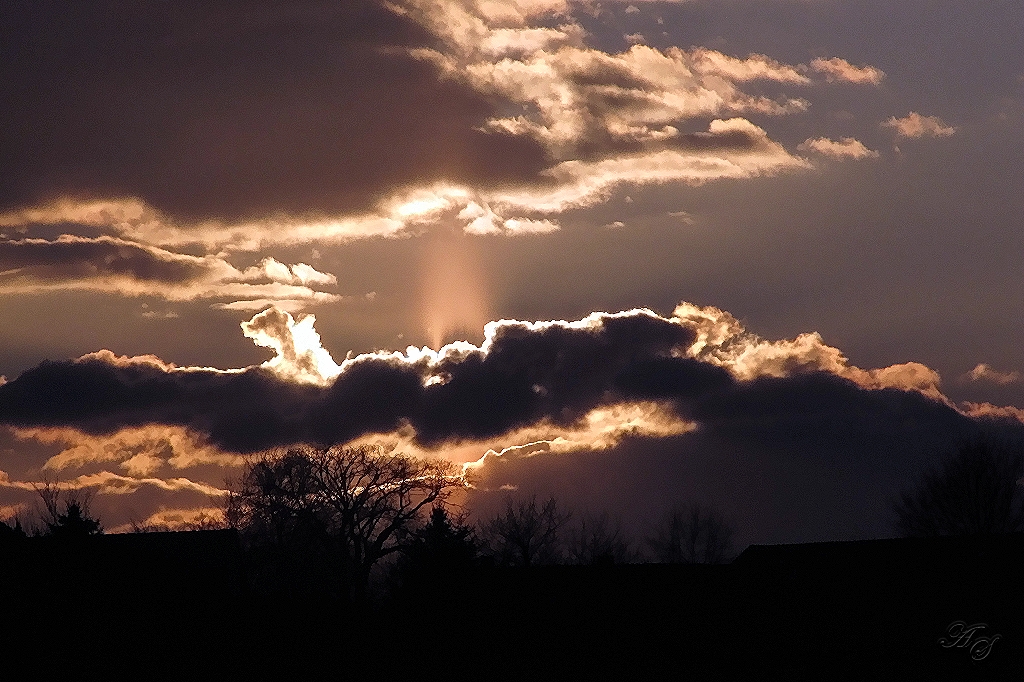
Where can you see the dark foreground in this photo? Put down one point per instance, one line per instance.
(182, 605)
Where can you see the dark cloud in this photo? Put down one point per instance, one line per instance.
(87, 258)
(240, 411)
(809, 456)
(219, 110)
(551, 373)
(370, 396)
(556, 373)
(799, 459)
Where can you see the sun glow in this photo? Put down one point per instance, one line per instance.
(453, 289)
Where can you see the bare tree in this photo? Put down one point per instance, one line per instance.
(66, 511)
(976, 490)
(526, 533)
(599, 540)
(691, 534)
(345, 507)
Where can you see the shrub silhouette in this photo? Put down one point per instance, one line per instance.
(66, 513)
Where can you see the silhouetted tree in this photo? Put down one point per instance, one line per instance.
(597, 540)
(691, 534)
(438, 555)
(976, 490)
(66, 513)
(338, 509)
(526, 533)
(11, 530)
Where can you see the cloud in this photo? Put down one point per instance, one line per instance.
(236, 158)
(298, 354)
(733, 148)
(174, 520)
(990, 411)
(846, 147)
(550, 377)
(9, 512)
(915, 125)
(136, 221)
(838, 69)
(983, 372)
(183, 109)
(275, 271)
(140, 451)
(108, 483)
(117, 266)
(722, 340)
(582, 103)
(483, 220)
(692, 383)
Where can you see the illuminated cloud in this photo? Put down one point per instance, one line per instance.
(733, 148)
(990, 411)
(296, 344)
(140, 451)
(192, 518)
(722, 340)
(10, 511)
(517, 81)
(196, 122)
(838, 69)
(108, 483)
(483, 220)
(983, 372)
(915, 125)
(538, 379)
(136, 221)
(752, 68)
(140, 429)
(600, 429)
(582, 103)
(114, 265)
(846, 147)
(611, 118)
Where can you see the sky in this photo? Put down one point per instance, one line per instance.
(758, 254)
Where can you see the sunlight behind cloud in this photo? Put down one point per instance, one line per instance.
(299, 355)
(453, 289)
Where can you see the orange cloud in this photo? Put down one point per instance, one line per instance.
(191, 518)
(722, 340)
(915, 125)
(838, 69)
(988, 410)
(119, 266)
(141, 451)
(844, 148)
(983, 372)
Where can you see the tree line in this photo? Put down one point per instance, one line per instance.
(334, 515)
(333, 518)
